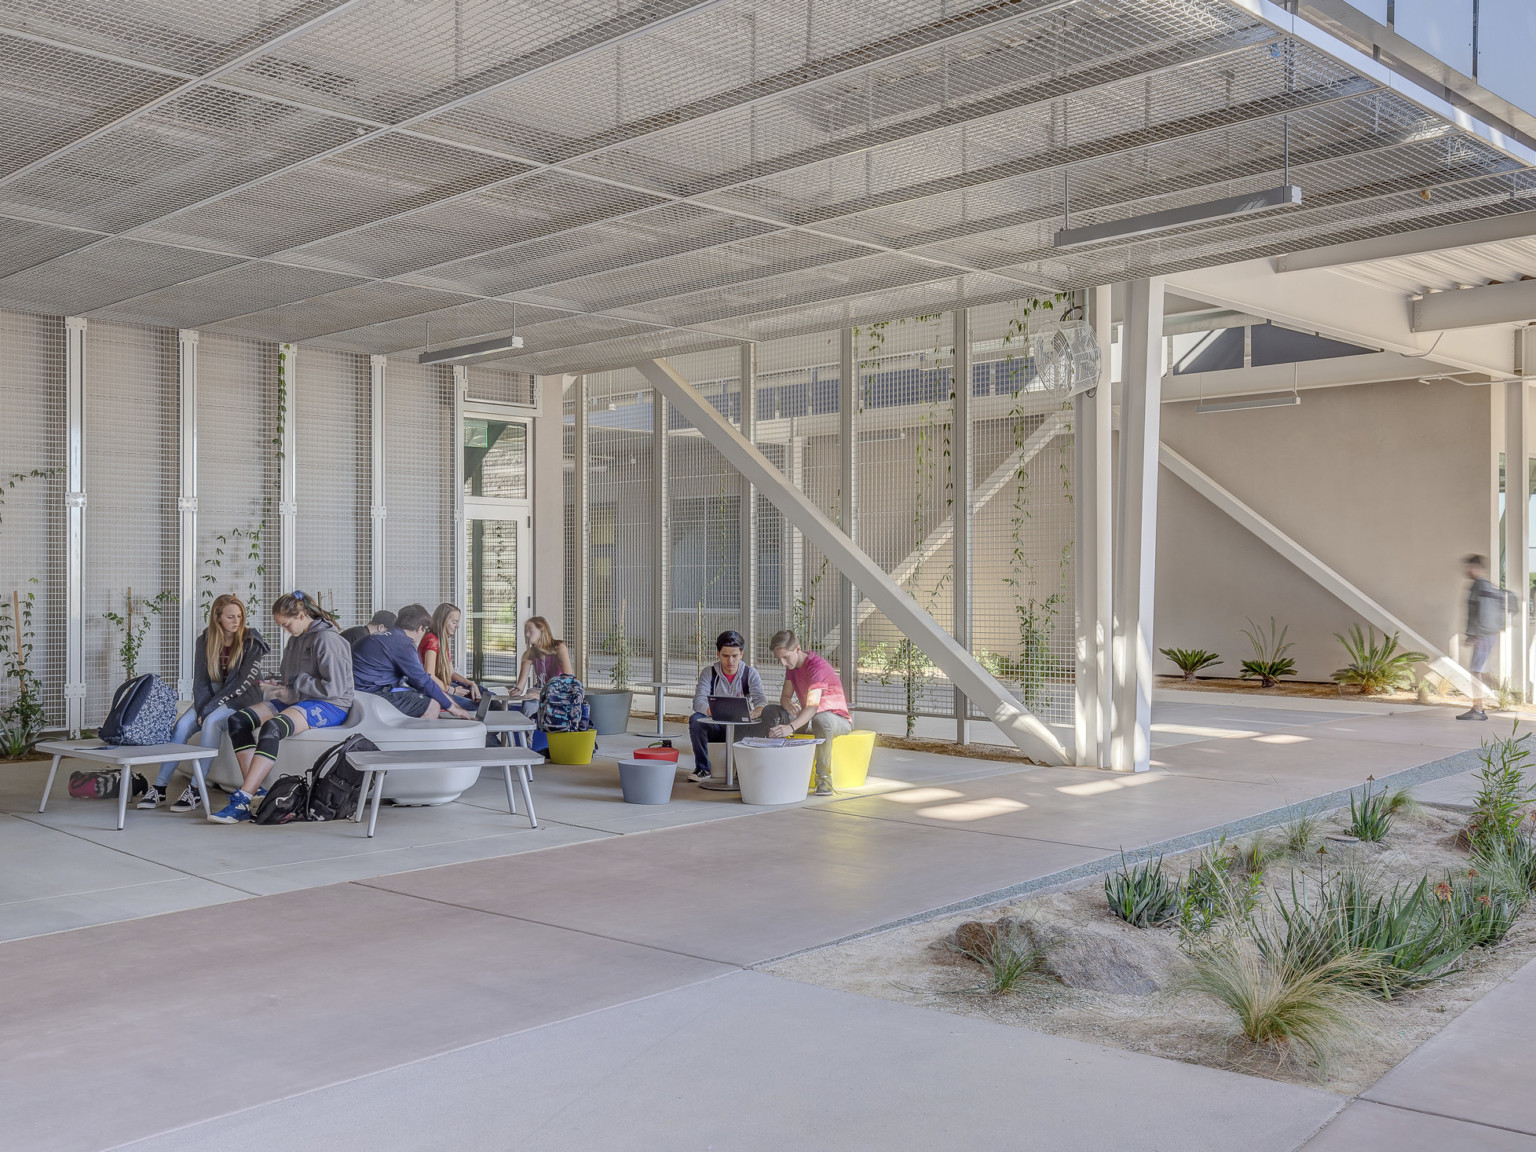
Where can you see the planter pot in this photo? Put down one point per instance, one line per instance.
(647, 781)
(610, 709)
(775, 775)
(571, 747)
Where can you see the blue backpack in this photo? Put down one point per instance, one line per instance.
(563, 705)
(143, 712)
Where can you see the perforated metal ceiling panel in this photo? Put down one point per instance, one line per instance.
(616, 180)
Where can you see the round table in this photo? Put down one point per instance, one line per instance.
(729, 783)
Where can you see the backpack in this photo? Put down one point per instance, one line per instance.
(562, 705)
(103, 785)
(335, 787)
(143, 712)
(285, 801)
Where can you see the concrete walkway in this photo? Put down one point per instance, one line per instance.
(591, 995)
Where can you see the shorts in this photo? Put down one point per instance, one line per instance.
(1482, 648)
(408, 700)
(321, 713)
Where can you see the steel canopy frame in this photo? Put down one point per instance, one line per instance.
(1021, 726)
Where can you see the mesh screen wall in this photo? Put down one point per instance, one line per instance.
(132, 478)
(331, 407)
(33, 526)
(418, 448)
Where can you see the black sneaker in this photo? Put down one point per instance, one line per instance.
(152, 799)
(1470, 714)
(190, 800)
(699, 775)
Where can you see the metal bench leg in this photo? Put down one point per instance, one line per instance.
(378, 791)
(524, 778)
(53, 771)
(124, 790)
(362, 801)
(200, 778)
(506, 775)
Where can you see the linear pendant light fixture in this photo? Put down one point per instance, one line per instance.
(1285, 400)
(469, 351)
(1223, 209)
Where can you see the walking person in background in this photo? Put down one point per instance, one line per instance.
(1486, 607)
(226, 677)
(823, 705)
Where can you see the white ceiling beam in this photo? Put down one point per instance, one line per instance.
(1341, 308)
(1512, 303)
(1334, 372)
(1467, 234)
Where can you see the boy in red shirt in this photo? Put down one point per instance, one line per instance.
(816, 686)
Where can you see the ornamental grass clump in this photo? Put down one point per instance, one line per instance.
(1304, 1012)
(1007, 958)
(1510, 865)
(1216, 889)
(1142, 896)
(1477, 908)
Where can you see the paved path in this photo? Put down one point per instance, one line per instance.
(592, 994)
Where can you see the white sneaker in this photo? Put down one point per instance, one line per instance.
(188, 801)
(699, 775)
(152, 799)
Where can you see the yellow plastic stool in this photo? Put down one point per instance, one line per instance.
(571, 747)
(850, 760)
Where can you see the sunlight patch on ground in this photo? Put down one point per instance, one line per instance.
(924, 795)
(1283, 738)
(1202, 730)
(1099, 787)
(973, 809)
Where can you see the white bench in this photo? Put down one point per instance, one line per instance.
(124, 757)
(388, 727)
(380, 764)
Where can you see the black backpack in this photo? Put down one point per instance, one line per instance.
(335, 786)
(285, 801)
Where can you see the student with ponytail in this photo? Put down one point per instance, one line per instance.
(437, 658)
(315, 684)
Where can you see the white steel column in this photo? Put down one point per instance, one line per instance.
(1517, 556)
(1093, 504)
(1020, 725)
(748, 508)
(74, 570)
(848, 511)
(1136, 562)
(581, 610)
(661, 557)
(962, 512)
(377, 508)
(460, 558)
(186, 503)
(288, 471)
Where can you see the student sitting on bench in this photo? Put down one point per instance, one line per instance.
(727, 676)
(387, 665)
(381, 621)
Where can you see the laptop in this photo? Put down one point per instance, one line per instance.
(731, 709)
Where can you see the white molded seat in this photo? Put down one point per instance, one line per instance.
(389, 728)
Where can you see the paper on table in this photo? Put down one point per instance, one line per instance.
(777, 741)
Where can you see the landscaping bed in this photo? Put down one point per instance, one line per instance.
(1087, 973)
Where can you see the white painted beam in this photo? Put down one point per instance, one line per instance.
(1512, 303)
(1334, 372)
(74, 564)
(1130, 746)
(579, 613)
(1021, 726)
(186, 503)
(1467, 234)
(288, 474)
(1093, 560)
(1343, 308)
(964, 477)
(1517, 561)
(378, 367)
(1333, 582)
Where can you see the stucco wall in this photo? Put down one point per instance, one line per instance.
(1387, 483)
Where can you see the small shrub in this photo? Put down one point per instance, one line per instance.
(1510, 865)
(1213, 891)
(1503, 799)
(1142, 896)
(1301, 832)
(1478, 909)
(1371, 818)
(1190, 660)
(1375, 666)
(1253, 857)
(1006, 961)
(1270, 661)
(1304, 1011)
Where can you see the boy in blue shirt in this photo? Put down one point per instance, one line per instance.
(386, 664)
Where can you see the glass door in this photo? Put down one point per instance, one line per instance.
(498, 528)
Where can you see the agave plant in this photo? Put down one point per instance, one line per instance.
(1270, 661)
(1190, 660)
(1375, 665)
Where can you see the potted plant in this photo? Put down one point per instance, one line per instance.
(610, 706)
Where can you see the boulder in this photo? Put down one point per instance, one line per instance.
(1124, 962)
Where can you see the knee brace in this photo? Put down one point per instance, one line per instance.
(272, 733)
(242, 730)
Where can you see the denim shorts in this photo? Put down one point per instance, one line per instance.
(321, 713)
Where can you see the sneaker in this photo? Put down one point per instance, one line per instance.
(189, 801)
(237, 811)
(153, 798)
(699, 775)
(1469, 714)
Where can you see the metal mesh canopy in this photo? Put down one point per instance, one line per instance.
(618, 180)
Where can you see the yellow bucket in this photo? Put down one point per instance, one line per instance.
(571, 747)
(850, 760)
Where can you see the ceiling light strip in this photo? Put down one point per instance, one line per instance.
(1203, 213)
